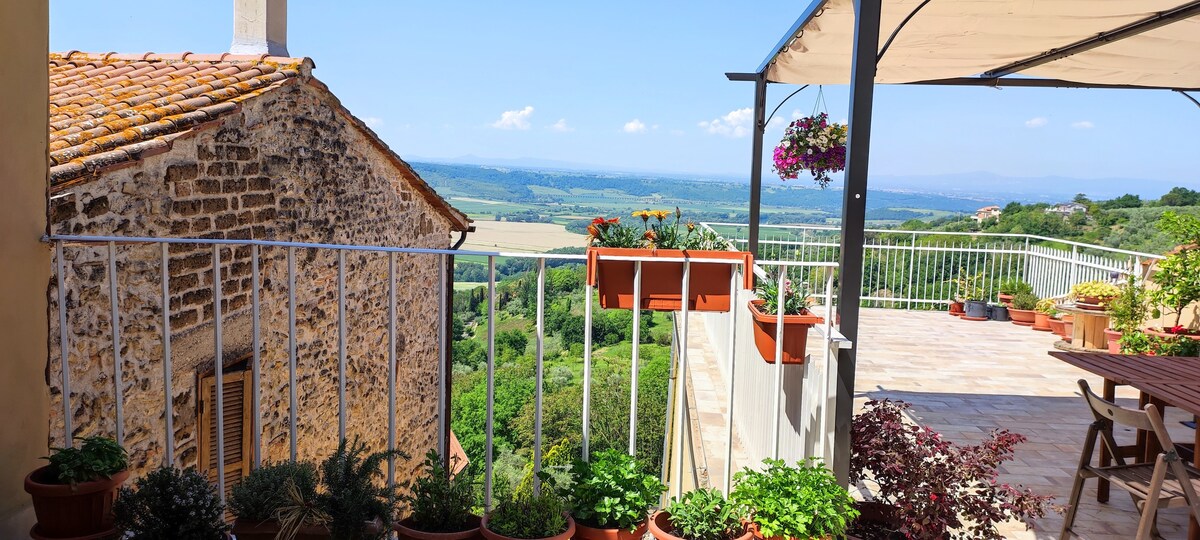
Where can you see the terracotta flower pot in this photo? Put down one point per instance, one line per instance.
(661, 528)
(1056, 326)
(1068, 330)
(266, 530)
(795, 334)
(1162, 333)
(1021, 317)
(1114, 340)
(956, 309)
(1041, 321)
(1005, 299)
(63, 511)
(662, 282)
(756, 534)
(405, 529)
(583, 532)
(490, 535)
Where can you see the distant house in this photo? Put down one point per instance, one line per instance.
(987, 212)
(1066, 209)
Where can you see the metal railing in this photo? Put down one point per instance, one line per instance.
(914, 269)
(158, 268)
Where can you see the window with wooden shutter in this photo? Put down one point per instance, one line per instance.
(238, 426)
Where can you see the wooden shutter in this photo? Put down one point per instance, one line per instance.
(238, 426)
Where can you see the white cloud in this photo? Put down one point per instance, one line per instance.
(514, 119)
(373, 121)
(1036, 122)
(561, 126)
(635, 126)
(1083, 124)
(735, 124)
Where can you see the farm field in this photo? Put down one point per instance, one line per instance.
(521, 237)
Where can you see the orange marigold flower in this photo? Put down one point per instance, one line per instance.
(650, 235)
(661, 214)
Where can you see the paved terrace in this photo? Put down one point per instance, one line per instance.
(964, 379)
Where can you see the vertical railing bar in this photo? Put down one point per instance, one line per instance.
(537, 399)
(118, 368)
(587, 369)
(168, 394)
(681, 381)
(292, 360)
(341, 292)
(256, 356)
(780, 311)
(828, 371)
(731, 365)
(219, 368)
(443, 354)
(391, 360)
(634, 355)
(64, 352)
(912, 267)
(491, 383)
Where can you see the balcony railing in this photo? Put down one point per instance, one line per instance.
(144, 312)
(914, 269)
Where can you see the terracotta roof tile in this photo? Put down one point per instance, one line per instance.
(108, 108)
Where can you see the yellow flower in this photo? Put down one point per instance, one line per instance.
(644, 214)
(661, 214)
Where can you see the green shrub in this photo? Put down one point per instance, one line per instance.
(1024, 301)
(440, 502)
(95, 458)
(171, 504)
(351, 496)
(612, 491)
(1129, 310)
(705, 514)
(1014, 287)
(261, 494)
(529, 516)
(804, 501)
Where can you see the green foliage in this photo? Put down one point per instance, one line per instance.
(557, 457)
(440, 502)
(1047, 306)
(1137, 342)
(93, 459)
(170, 504)
(1024, 301)
(611, 491)
(260, 495)
(1178, 279)
(705, 514)
(1180, 196)
(1096, 289)
(1184, 229)
(1124, 201)
(662, 233)
(1014, 287)
(804, 501)
(1129, 309)
(796, 298)
(528, 516)
(352, 496)
(967, 286)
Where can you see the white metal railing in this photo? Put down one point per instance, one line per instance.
(914, 269)
(813, 434)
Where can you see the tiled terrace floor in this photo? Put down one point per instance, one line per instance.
(966, 378)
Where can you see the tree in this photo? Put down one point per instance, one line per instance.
(513, 340)
(1127, 200)
(1180, 196)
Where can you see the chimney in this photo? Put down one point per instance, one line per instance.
(259, 27)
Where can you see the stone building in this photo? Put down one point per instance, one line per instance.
(236, 147)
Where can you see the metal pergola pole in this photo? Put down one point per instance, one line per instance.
(854, 213)
(756, 158)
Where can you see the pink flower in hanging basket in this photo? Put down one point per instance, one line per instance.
(811, 144)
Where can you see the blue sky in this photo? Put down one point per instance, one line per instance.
(635, 85)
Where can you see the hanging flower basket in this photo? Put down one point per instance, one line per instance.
(811, 144)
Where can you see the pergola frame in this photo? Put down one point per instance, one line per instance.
(865, 58)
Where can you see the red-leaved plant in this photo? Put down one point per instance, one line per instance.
(940, 489)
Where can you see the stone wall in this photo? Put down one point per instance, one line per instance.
(289, 166)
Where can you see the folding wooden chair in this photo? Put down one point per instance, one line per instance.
(1147, 483)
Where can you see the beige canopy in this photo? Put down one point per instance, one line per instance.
(949, 39)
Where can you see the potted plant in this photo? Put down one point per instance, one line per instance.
(528, 517)
(440, 504)
(1042, 312)
(797, 319)
(703, 514)
(970, 294)
(610, 496)
(1010, 288)
(1056, 325)
(1094, 295)
(73, 495)
(357, 506)
(934, 487)
(998, 312)
(798, 503)
(662, 234)
(259, 498)
(170, 503)
(813, 144)
(1178, 275)
(1022, 309)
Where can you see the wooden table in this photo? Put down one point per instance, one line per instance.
(1170, 380)
(1088, 330)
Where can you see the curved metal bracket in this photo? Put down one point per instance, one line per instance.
(1186, 95)
(892, 37)
(768, 120)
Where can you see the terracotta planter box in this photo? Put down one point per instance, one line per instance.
(1056, 326)
(1021, 317)
(661, 528)
(795, 334)
(1113, 338)
(489, 535)
(84, 511)
(1041, 321)
(583, 532)
(662, 282)
(405, 529)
